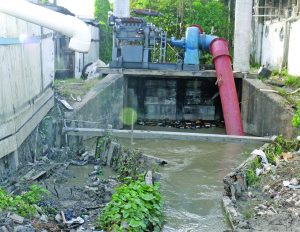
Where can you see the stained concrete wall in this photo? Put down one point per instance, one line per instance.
(265, 113)
(294, 48)
(175, 99)
(272, 45)
(275, 39)
(26, 77)
(102, 104)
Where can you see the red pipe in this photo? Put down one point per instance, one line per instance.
(230, 105)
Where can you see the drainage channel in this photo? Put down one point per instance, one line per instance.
(191, 183)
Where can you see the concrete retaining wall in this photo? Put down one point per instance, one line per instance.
(265, 113)
(175, 99)
(26, 77)
(102, 104)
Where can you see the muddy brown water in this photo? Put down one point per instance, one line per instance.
(81, 174)
(191, 183)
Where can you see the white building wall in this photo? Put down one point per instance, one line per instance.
(294, 49)
(272, 45)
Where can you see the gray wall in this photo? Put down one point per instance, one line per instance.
(26, 78)
(175, 99)
(264, 113)
(102, 104)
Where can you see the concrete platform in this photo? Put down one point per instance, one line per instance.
(171, 73)
(169, 135)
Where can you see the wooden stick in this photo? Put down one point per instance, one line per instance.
(63, 217)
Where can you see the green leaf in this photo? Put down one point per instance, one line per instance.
(134, 223)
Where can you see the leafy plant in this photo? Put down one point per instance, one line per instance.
(296, 118)
(23, 204)
(35, 195)
(100, 145)
(138, 204)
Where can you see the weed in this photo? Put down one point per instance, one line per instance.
(138, 204)
(292, 81)
(226, 219)
(280, 73)
(74, 86)
(296, 118)
(254, 64)
(22, 204)
(35, 195)
(252, 178)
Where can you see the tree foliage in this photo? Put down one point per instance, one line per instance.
(205, 13)
(102, 7)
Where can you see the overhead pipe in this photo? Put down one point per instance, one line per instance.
(65, 24)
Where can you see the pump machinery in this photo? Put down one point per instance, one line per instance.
(134, 39)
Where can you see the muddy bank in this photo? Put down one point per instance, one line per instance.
(272, 202)
(80, 202)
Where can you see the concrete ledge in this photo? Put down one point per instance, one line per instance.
(170, 73)
(169, 135)
(103, 103)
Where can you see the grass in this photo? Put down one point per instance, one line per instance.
(292, 81)
(76, 87)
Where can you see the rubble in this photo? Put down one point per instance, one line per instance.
(70, 208)
(271, 205)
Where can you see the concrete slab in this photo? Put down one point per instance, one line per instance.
(169, 135)
(171, 73)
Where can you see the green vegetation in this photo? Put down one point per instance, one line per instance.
(280, 145)
(289, 80)
(139, 205)
(23, 204)
(253, 63)
(102, 7)
(296, 118)
(252, 178)
(207, 14)
(76, 87)
(127, 166)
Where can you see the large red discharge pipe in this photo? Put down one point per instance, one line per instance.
(230, 105)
